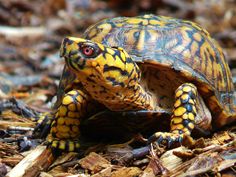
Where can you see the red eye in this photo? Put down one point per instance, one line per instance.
(88, 51)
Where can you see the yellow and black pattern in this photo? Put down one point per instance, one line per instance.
(183, 116)
(65, 132)
(181, 44)
(109, 75)
(44, 123)
(148, 63)
(185, 109)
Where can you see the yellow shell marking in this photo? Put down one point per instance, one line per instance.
(137, 21)
(119, 24)
(197, 37)
(194, 47)
(178, 49)
(209, 68)
(155, 22)
(105, 28)
(141, 40)
(93, 32)
(187, 54)
(171, 43)
(130, 38)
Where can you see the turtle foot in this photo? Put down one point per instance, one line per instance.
(166, 138)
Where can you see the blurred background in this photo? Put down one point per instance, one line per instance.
(31, 32)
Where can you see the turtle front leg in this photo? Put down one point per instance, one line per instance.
(183, 116)
(64, 133)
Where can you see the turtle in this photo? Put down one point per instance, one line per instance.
(146, 65)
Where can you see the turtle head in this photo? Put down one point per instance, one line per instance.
(89, 59)
(79, 53)
(108, 74)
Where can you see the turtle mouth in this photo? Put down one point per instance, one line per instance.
(75, 62)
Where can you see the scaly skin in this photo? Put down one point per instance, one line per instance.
(172, 55)
(103, 83)
(65, 132)
(113, 82)
(116, 94)
(183, 116)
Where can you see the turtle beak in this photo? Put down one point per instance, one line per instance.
(68, 48)
(71, 53)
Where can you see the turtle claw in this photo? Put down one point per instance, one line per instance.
(63, 145)
(44, 124)
(166, 138)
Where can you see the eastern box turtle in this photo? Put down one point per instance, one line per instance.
(146, 65)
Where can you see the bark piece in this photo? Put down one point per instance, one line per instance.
(94, 162)
(127, 172)
(38, 160)
(171, 161)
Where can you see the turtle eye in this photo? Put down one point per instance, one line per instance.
(88, 51)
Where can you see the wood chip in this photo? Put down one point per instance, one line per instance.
(94, 162)
(7, 124)
(38, 160)
(127, 172)
(171, 161)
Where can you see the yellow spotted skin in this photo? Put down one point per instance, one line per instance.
(184, 113)
(65, 131)
(146, 63)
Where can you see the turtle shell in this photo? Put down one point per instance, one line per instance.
(182, 47)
